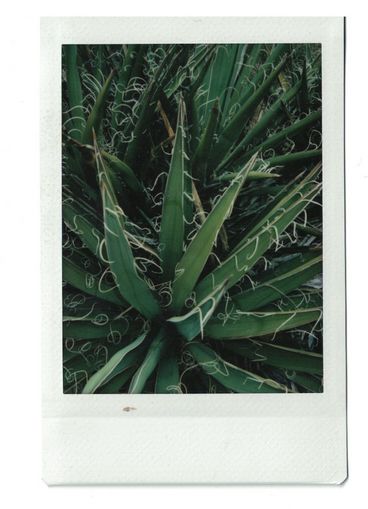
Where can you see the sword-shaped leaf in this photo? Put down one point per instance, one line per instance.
(260, 239)
(131, 285)
(232, 377)
(172, 222)
(97, 112)
(98, 287)
(279, 282)
(124, 170)
(278, 356)
(114, 385)
(122, 360)
(232, 131)
(81, 223)
(152, 358)
(195, 257)
(246, 324)
(203, 151)
(262, 125)
(279, 137)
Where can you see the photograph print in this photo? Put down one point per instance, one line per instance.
(192, 218)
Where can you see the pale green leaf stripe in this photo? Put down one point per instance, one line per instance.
(241, 261)
(192, 323)
(118, 363)
(81, 280)
(95, 117)
(168, 376)
(246, 324)
(172, 222)
(232, 377)
(277, 283)
(134, 289)
(150, 362)
(194, 259)
(278, 356)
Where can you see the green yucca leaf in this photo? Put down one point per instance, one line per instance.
(260, 239)
(124, 170)
(278, 51)
(231, 133)
(88, 231)
(80, 306)
(253, 73)
(202, 153)
(96, 330)
(218, 78)
(95, 117)
(252, 175)
(151, 360)
(122, 360)
(246, 324)
(168, 377)
(263, 124)
(191, 265)
(122, 82)
(75, 95)
(147, 106)
(232, 377)
(303, 96)
(195, 63)
(203, 66)
(98, 287)
(86, 330)
(279, 137)
(294, 157)
(309, 230)
(116, 383)
(172, 222)
(278, 161)
(278, 356)
(131, 286)
(305, 380)
(277, 283)
(225, 277)
(192, 323)
(252, 59)
(282, 201)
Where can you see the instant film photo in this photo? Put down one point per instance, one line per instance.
(193, 250)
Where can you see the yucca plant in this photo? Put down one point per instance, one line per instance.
(192, 235)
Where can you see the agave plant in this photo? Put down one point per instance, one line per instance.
(192, 235)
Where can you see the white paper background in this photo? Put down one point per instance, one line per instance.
(195, 438)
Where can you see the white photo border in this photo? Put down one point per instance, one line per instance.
(195, 438)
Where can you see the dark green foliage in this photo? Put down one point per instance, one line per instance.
(192, 224)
